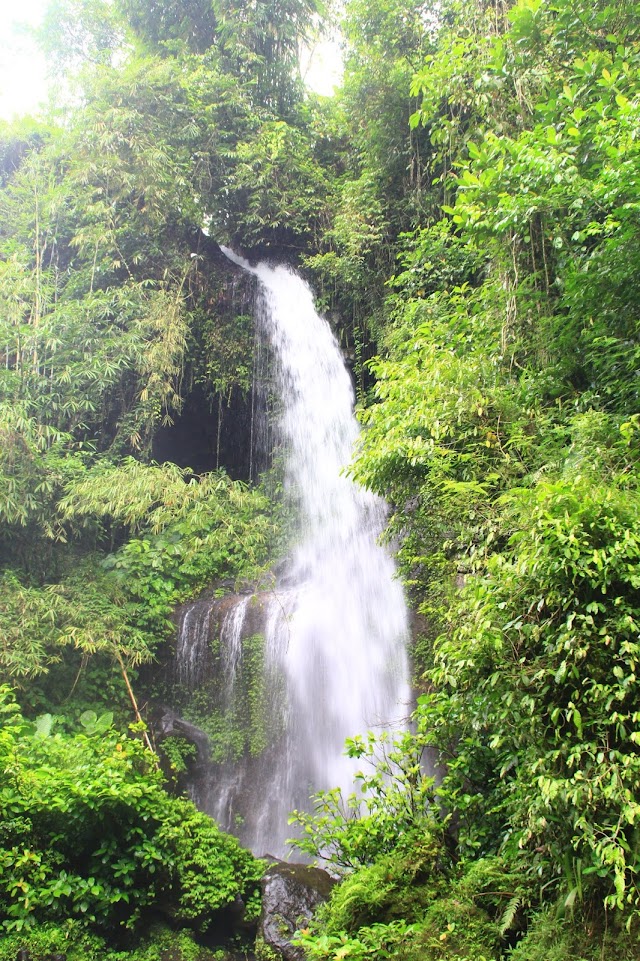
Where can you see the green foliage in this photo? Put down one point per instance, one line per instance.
(34, 464)
(381, 162)
(87, 612)
(453, 426)
(243, 714)
(72, 337)
(281, 187)
(404, 906)
(89, 834)
(552, 938)
(547, 650)
(73, 939)
(377, 941)
(502, 427)
(215, 528)
(178, 751)
(70, 937)
(172, 25)
(393, 798)
(384, 44)
(190, 532)
(202, 527)
(560, 195)
(264, 952)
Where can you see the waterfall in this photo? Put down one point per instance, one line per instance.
(192, 649)
(335, 626)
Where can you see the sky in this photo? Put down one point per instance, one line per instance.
(22, 67)
(322, 66)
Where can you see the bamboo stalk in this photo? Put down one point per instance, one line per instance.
(132, 698)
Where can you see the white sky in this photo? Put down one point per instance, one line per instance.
(322, 65)
(22, 68)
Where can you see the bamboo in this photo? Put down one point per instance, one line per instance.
(134, 703)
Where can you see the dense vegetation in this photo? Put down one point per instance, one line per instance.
(503, 427)
(467, 207)
(90, 834)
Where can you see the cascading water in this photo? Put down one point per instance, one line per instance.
(335, 627)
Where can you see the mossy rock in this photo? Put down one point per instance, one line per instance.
(455, 928)
(291, 893)
(400, 885)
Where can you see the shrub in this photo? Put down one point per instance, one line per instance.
(88, 834)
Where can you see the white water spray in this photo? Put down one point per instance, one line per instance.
(336, 631)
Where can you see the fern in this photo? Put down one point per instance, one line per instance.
(510, 912)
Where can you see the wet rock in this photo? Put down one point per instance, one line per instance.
(170, 725)
(290, 895)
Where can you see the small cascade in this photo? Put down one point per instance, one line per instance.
(231, 641)
(322, 656)
(192, 650)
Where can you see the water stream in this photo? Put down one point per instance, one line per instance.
(335, 627)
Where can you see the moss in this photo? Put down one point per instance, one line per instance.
(399, 885)
(580, 938)
(414, 907)
(264, 951)
(246, 720)
(72, 939)
(458, 928)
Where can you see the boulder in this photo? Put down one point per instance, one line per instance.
(290, 895)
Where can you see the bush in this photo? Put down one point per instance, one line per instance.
(88, 834)
(73, 940)
(537, 698)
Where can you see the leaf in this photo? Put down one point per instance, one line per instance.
(508, 917)
(104, 722)
(43, 724)
(88, 720)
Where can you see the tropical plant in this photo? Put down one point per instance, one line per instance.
(89, 834)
